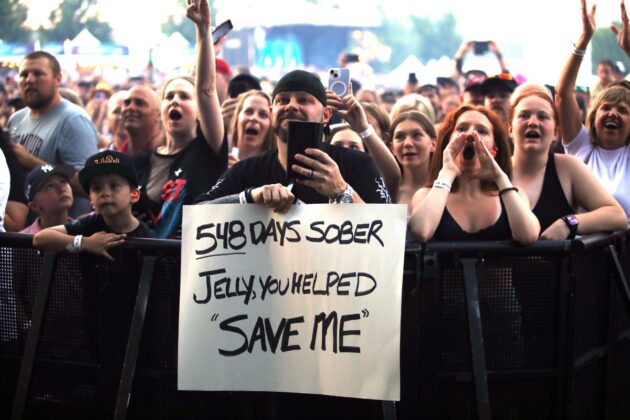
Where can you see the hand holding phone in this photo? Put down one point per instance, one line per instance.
(302, 135)
(338, 81)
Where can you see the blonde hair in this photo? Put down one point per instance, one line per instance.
(413, 102)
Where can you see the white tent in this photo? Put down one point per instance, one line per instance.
(400, 74)
(174, 52)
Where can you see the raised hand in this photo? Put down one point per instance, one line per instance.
(623, 34)
(349, 109)
(588, 25)
(199, 12)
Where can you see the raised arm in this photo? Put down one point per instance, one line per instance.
(210, 119)
(570, 115)
(351, 110)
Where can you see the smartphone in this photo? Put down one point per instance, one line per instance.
(412, 78)
(302, 135)
(221, 31)
(480, 47)
(338, 81)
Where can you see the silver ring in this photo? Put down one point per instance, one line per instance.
(311, 174)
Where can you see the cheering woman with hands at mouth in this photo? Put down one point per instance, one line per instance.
(471, 196)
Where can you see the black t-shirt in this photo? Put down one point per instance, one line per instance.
(93, 223)
(356, 168)
(193, 171)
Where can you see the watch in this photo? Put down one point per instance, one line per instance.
(572, 223)
(344, 196)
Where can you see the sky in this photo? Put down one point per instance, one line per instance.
(542, 30)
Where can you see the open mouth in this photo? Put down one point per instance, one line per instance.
(532, 135)
(251, 131)
(611, 124)
(175, 115)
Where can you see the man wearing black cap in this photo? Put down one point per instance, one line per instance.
(497, 91)
(333, 175)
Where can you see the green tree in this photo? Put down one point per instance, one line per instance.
(420, 36)
(180, 23)
(604, 46)
(13, 14)
(71, 17)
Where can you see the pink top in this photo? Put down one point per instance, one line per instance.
(36, 227)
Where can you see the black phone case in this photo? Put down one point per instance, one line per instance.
(302, 135)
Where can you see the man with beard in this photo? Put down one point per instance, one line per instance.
(497, 91)
(141, 119)
(333, 175)
(50, 129)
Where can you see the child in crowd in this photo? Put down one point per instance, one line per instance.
(48, 192)
(111, 181)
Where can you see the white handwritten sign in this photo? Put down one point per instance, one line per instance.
(304, 302)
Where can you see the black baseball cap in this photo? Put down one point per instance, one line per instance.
(503, 81)
(39, 174)
(105, 163)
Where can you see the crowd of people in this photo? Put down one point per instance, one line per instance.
(474, 156)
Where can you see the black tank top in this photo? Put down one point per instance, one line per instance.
(552, 203)
(449, 230)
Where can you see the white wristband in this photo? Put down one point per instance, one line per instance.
(367, 132)
(75, 246)
(578, 52)
(440, 183)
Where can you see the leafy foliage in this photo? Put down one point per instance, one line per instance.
(604, 46)
(13, 14)
(420, 36)
(71, 17)
(180, 23)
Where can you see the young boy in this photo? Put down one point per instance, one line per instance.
(48, 192)
(111, 181)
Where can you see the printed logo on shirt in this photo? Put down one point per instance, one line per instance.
(31, 142)
(382, 191)
(172, 189)
(178, 172)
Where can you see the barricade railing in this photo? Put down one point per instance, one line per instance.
(489, 329)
